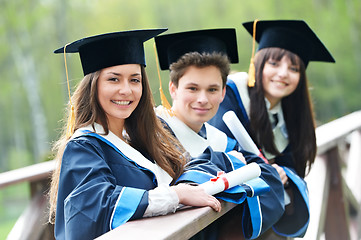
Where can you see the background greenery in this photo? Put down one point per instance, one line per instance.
(33, 92)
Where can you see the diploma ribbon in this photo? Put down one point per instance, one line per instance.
(219, 176)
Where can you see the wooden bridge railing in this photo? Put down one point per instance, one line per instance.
(333, 182)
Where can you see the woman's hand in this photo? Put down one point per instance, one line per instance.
(196, 196)
(238, 155)
(281, 172)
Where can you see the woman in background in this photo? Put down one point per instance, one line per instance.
(276, 109)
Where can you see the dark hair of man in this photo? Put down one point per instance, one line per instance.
(200, 60)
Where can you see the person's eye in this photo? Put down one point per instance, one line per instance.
(294, 69)
(192, 88)
(213, 89)
(113, 79)
(135, 80)
(272, 62)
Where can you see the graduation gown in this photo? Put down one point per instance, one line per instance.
(103, 184)
(262, 210)
(291, 224)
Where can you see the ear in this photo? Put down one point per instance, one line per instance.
(223, 93)
(172, 90)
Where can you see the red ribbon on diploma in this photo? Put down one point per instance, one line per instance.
(219, 176)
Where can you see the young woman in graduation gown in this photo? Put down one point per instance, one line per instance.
(273, 103)
(115, 161)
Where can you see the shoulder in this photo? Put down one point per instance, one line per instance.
(239, 78)
(84, 143)
(240, 87)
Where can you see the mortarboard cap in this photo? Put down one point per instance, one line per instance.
(111, 49)
(293, 35)
(171, 47)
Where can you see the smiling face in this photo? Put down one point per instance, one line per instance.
(119, 92)
(280, 79)
(198, 95)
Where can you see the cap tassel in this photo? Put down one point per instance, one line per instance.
(163, 98)
(252, 69)
(71, 118)
(251, 74)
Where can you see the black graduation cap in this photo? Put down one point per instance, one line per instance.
(171, 47)
(111, 49)
(293, 35)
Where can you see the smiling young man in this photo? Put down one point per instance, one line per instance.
(199, 63)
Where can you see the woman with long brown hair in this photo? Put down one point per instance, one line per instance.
(273, 103)
(115, 161)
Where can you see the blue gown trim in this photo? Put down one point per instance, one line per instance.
(126, 206)
(235, 161)
(89, 133)
(258, 187)
(256, 216)
(231, 144)
(233, 86)
(302, 188)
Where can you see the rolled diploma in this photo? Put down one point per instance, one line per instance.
(231, 179)
(246, 142)
(240, 133)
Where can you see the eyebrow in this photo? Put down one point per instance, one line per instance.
(210, 86)
(215, 85)
(119, 74)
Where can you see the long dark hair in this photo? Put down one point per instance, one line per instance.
(297, 111)
(144, 129)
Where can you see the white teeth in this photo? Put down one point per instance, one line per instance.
(280, 83)
(121, 102)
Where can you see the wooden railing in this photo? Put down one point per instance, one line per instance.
(32, 224)
(333, 183)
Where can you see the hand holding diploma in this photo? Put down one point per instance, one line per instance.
(228, 180)
(241, 135)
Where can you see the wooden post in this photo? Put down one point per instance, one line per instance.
(336, 226)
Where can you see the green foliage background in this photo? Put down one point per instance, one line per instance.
(33, 92)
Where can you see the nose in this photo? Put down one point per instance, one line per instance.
(202, 97)
(124, 88)
(283, 70)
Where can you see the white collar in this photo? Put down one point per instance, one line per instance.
(130, 152)
(190, 140)
(276, 109)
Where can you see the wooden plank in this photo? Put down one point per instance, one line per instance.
(352, 175)
(318, 186)
(178, 226)
(329, 134)
(32, 222)
(27, 174)
(336, 226)
(352, 189)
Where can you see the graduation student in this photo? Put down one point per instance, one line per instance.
(273, 103)
(199, 62)
(115, 161)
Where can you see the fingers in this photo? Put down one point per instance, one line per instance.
(238, 155)
(196, 196)
(282, 173)
(215, 204)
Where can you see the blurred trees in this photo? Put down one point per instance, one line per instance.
(33, 92)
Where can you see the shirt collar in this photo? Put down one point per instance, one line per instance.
(276, 109)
